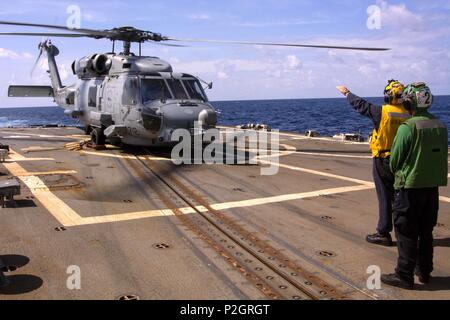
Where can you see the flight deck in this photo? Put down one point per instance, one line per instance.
(136, 226)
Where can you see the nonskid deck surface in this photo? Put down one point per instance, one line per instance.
(136, 224)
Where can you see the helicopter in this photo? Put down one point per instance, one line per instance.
(126, 98)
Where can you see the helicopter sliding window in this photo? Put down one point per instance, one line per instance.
(154, 89)
(177, 89)
(194, 89)
(131, 91)
(92, 97)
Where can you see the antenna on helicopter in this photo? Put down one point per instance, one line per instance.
(129, 35)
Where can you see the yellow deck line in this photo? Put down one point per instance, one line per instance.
(60, 210)
(45, 173)
(28, 160)
(17, 157)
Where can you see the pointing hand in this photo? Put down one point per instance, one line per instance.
(343, 90)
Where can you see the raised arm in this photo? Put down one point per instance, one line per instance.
(364, 107)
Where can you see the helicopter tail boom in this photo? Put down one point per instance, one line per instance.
(52, 52)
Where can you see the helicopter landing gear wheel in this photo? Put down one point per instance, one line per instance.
(88, 130)
(97, 137)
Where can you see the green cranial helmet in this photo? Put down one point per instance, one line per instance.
(417, 96)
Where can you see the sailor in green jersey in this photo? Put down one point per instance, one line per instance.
(419, 161)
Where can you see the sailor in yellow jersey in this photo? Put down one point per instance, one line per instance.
(386, 121)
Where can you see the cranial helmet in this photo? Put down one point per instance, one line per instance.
(393, 92)
(417, 96)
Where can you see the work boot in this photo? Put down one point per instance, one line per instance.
(380, 239)
(3, 280)
(394, 280)
(423, 278)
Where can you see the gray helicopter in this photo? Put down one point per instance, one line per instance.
(128, 98)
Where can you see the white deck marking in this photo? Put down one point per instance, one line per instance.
(287, 197)
(16, 135)
(125, 217)
(69, 218)
(218, 206)
(110, 155)
(331, 155)
(320, 173)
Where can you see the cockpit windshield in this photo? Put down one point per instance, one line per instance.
(177, 89)
(154, 89)
(194, 89)
(165, 89)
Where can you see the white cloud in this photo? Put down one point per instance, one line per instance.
(28, 55)
(200, 16)
(292, 61)
(9, 54)
(399, 16)
(286, 23)
(222, 75)
(5, 53)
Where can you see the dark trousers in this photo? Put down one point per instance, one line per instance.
(415, 216)
(384, 183)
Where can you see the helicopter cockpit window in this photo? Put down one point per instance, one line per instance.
(194, 90)
(131, 91)
(177, 89)
(154, 89)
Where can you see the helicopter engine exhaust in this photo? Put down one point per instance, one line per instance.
(95, 65)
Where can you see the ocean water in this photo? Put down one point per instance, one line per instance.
(326, 116)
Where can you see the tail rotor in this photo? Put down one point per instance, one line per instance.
(41, 51)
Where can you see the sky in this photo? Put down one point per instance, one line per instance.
(417, 32)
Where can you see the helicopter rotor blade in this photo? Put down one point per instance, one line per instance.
(278, 44)
(45, 34)
(99, 33)
(170, 44)
(41, 51)
(130, 34)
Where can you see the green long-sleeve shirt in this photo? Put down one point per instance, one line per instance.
(419, 155)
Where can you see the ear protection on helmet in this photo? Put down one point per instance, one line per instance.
(407, 104)
(387, 98)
